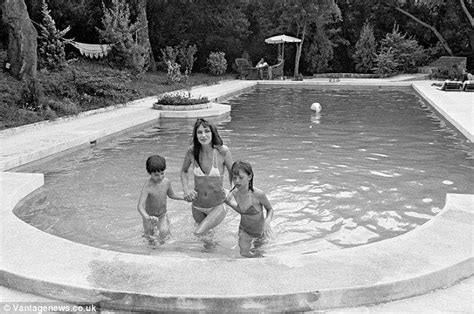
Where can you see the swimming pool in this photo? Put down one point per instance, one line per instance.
(370, 166)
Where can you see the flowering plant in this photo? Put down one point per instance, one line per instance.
(181, 99)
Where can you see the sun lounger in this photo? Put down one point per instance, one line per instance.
(468, 86)
(451, 86)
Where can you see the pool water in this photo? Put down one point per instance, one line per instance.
(370, 166)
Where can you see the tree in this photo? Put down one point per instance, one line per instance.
(143, 35)
(468, 14)
(299, 14)
(118, 31)
(471, 21)
(210, 25)
(320, 51)
(445, 11)
(366, 48)
(51, 42)
(440, 37)
(21, 53)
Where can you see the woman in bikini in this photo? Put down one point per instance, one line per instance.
(209, 157)
(250, 203)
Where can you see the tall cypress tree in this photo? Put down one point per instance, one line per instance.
(366, 49)
(51, 42)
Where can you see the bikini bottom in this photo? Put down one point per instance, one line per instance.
(207, 211)
(247, 234)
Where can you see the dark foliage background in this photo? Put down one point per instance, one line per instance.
(238, 27)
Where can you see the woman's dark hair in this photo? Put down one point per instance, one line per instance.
(155, 163)
(245, 167)
(216, 139)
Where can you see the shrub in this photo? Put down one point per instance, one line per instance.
(58, 83)
(12, 116)
(49, 114)
(407, 53)
(63, 107)
(186, 56)
(385, 63)
(31, 96)
(216, 63)
(10, 90)
(452, 73)
(106, 87)
(174, 73)
(135, 59)
(169, 54)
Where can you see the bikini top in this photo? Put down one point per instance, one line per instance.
(214, 172)
(250, 211)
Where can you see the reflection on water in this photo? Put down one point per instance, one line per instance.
(369, 166)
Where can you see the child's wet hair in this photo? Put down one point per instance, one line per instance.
(155, 163)
(245, 167)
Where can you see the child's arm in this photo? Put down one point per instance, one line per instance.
(232, 204)
(230, 201)
(142, 200)
(172, 194)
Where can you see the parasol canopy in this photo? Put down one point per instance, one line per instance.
(281, 39)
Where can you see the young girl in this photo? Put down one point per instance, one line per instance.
(250, 203)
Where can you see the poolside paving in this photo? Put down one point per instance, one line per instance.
(26, 144)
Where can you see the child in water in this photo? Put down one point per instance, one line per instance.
(152, 202)
(250, 203)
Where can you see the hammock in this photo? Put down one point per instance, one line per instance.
(92, 50)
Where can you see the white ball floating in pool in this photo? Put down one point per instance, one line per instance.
(316, 107)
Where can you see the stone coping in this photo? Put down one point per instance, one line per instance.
(57, 137)
(210, 109)
(457, 107)
(434, 255)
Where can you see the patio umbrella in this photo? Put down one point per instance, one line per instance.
(282, 39)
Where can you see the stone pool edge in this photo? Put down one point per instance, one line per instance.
(341, 296)
(434, 255)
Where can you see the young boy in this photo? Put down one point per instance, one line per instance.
(152, 202)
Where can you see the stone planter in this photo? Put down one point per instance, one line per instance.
(181, 108)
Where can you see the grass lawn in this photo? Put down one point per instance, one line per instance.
(83, 85)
